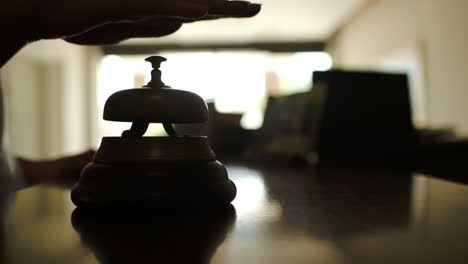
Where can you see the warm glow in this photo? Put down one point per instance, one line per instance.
(236, 81)
(252, 201)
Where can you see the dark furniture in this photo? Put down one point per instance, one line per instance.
(363, 116)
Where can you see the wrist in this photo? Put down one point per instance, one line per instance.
(15, 31)
(9, 47)
(12, 40)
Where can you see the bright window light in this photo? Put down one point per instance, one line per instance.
(238, 82)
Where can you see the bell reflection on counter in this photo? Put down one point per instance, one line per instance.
(133, 170)
(142, 237)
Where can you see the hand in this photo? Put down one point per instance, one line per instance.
(62, 172)
(61, 19)
(164, 22)
(99, 22)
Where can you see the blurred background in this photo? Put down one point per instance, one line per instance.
(264, 81)
(55, 91)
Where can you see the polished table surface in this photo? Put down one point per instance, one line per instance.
(281, 215)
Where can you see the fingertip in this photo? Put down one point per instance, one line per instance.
(253, 10)
(237, 9)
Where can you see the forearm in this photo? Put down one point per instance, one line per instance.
(9, 47)
(15, 28)
(34, 172)
(63, 171)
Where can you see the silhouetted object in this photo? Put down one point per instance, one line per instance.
(285, 130)
(362, 116)
(225, 134)
(157, 237)
(227, 137)
(133, 170)
(445, 159)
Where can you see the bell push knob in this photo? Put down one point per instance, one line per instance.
(156, 81)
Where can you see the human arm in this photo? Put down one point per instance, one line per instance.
(62, 172)
(97, 22)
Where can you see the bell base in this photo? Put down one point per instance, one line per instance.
(182, 184)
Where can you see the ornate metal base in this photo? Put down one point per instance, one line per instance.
(198, 183)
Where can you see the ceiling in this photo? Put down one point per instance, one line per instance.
(279, 21)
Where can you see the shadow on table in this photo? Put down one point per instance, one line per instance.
(162, 237)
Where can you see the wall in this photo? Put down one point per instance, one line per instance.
(49, 93)
(437, 28)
